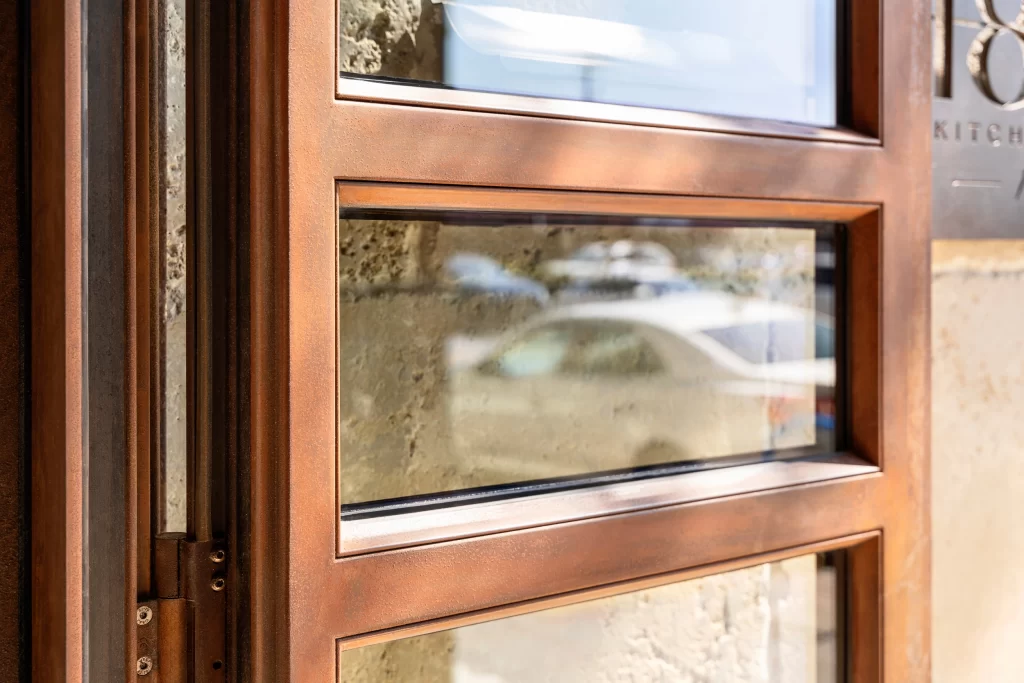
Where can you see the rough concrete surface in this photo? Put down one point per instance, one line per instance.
(977, 461)
(171, 131)
(394, 38)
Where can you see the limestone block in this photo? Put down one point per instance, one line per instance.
(977, 462)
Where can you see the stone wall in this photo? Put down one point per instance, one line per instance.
(171, 143)
(391, 38)
(977, 461)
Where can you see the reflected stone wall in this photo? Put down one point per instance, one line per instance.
(398, 315)
(170, 134)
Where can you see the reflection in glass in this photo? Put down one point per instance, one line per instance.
(747, 58)
(493, 350)
(773, 623)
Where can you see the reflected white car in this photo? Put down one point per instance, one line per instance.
(610, 385)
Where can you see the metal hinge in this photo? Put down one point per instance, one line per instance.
(181, 634)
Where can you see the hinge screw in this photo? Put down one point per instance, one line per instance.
(144, 615)
(218, 583)
(144, 666)
(217, 556)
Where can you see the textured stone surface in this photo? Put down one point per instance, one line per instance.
(394, 38)
(977, 461)
(755, 625)
(173, 216)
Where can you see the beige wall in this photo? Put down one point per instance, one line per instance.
(978, 461)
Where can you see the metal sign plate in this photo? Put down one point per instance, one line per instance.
(978, 132)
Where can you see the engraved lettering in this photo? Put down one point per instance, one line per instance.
(995, 135)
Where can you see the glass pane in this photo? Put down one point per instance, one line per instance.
(746, 57)
(773, 623)
(483, 351)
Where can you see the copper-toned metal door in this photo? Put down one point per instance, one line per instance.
(367, 187)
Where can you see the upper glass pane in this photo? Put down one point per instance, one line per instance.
(773, 60)
(482, 351)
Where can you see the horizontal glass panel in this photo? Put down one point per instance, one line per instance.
(773, 60)
(772, 623)
(480, 352)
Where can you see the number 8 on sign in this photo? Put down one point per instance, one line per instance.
(978, 54)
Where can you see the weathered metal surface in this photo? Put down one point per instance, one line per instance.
(191, 578)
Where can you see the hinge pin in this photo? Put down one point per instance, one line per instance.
(144, 666)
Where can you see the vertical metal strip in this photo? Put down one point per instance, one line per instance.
(56, 401)
(199, 275)
(106, 460)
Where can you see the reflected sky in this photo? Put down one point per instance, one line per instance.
(773, 60)
(743, 57)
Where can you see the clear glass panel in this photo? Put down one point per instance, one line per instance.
(773, 623)
(746, 57)
(484, 351)
(170, 151)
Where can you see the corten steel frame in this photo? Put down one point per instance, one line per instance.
(56, 341)
(14, 537)
(84, 390)
(309, 153)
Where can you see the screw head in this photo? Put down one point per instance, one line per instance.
(143, 666)
(217, 556)
(218, 583)
(143, 615)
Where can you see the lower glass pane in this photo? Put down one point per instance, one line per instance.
(772, 623)
(480, 352)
